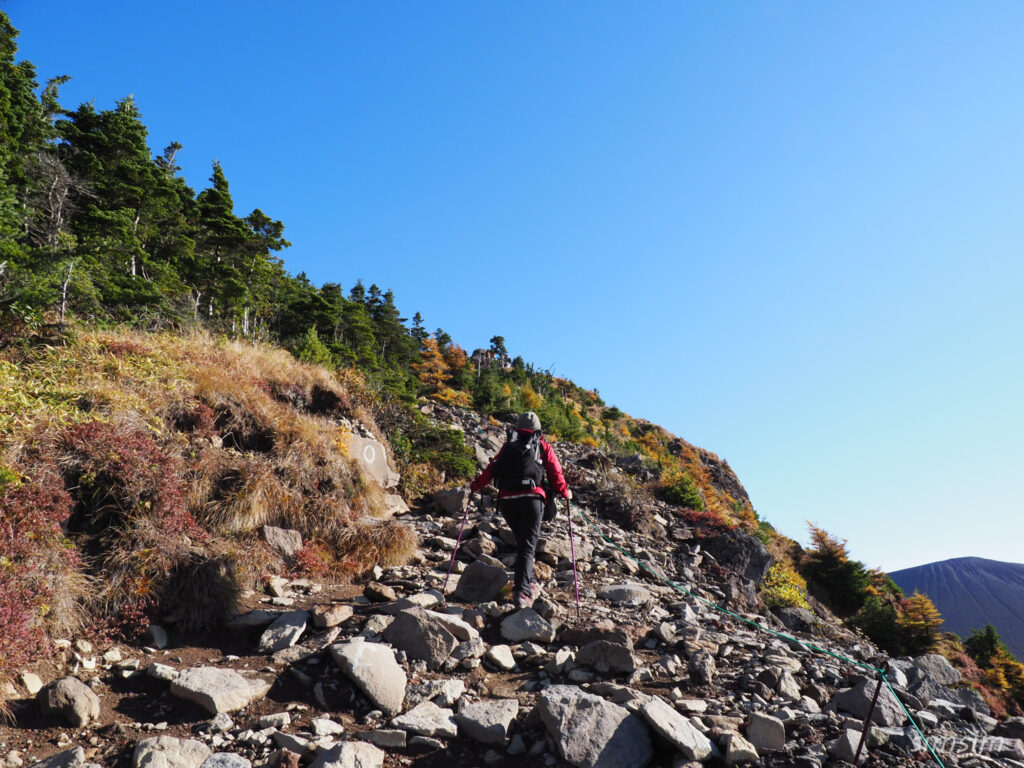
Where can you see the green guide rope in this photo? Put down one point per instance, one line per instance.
(761, 627)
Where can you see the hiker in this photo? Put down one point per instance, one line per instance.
(518, 471)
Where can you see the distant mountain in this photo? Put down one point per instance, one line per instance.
(971, 592)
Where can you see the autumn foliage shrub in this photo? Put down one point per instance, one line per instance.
(783, 587)
(33, 556)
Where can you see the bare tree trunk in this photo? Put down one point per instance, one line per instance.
(64, 295)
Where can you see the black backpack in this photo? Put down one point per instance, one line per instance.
(519, 467)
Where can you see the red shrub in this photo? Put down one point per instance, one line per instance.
(32, 550)
(121, 348)
(118, 473)
(709, 523)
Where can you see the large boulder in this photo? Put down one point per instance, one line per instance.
(373, 668)
(372, 458)
(606, 656)
(217, 690)
(452, 501)
(591, 732)
(480, 583)
(169, 752)
(285, 541)
(766, 733)
(421, 636)
(740, 553)
(933, 667)
(71, 700)
(857, 701)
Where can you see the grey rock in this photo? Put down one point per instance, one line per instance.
(845, 747)
(373, 668)
(796, 619)
(702, 667)
(738, 750)
(323, 726)
(221, 723)
(591, 732)
(857, 701)
(217, 690)
(372, 458)
(527, 624)
(626, 594)
(488, 721)
(284, 632)
(444, 693)
(934, 667)
(226, 760)
(394, 505)
(387, 737)
(480, 583)
(163, 672)
(421, 636)
(350, 754)
(676, 729)
(428, 719)
(169, 752)
(766, 733)
(787, 687)
(71, 758)
(71, 700)
(740, 553)
(470, 649)
(285, 541)
(462, 630)
(325, 616)
(607, 656)
(501, 656)
(452, 501)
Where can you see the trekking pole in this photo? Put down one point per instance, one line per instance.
(572, 549)
(465, 516)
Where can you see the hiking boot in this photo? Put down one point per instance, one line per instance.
(524, 601)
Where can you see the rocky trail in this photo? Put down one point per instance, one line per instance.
(391, 672)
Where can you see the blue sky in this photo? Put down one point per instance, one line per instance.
(789, 232)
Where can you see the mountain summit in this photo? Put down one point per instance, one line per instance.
(971, 592)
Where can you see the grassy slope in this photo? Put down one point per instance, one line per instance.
(136, 470)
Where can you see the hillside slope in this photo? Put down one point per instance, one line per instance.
(971, 592)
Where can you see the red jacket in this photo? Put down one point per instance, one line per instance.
(552, 471)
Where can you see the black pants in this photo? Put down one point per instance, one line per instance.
(524, 517)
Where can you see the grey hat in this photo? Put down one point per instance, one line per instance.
(528, 421)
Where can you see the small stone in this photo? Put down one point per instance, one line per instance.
(217, 690)
(226, 760)
(738, 750)
(31, 682)
(379, 593)
(501, 656)
(488, 721)
(428, 719)
(275, 720)
(350, 754)
(324, 727)
(284, 632)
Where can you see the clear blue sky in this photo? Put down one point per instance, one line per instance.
(789, 232)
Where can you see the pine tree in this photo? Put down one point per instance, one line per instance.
(431, 369)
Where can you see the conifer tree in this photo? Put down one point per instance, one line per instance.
(920, 622)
